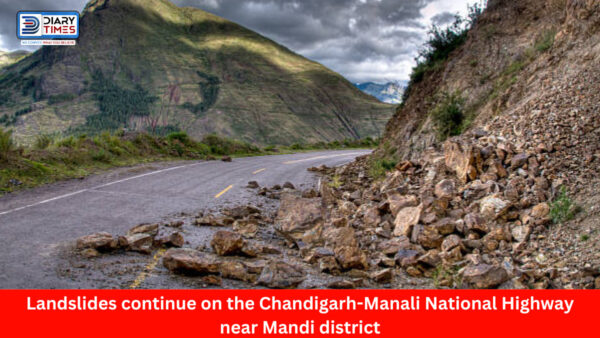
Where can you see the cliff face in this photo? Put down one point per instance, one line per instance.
(518, 59)
(512, 201)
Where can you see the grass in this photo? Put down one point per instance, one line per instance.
(545, 41)
(447, 277)
(51, 160)
(379, 167)
(563, 209)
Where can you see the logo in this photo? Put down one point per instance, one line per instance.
(31, 25)
(47, 25)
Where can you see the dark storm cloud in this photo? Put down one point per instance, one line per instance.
(365, 40)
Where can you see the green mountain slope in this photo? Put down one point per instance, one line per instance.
(145, 63)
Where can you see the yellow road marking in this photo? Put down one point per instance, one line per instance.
(147, 270)
(259, 171)
(224, 191)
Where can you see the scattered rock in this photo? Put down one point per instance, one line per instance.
(190, 262)
(101, 241)
(281, 275)
(227, 243)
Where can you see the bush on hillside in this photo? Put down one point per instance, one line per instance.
(448, 115)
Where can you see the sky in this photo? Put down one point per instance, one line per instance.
(364, 40)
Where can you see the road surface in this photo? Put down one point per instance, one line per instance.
(35, 223)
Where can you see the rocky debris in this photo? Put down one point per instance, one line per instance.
(226, 159)
(174, 239)
(101, 241)
(298, 217)
(253, 185)
(238, 271)
(190, 262)
(213, 221)
(281, 275)
(484, 276)
(149, 229)
(139, 242)
(227, 243)
(289, 185)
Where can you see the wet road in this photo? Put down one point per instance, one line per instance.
(35, 223)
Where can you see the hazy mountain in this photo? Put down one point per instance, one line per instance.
(390, 92)
(140, 63)
(8, 58)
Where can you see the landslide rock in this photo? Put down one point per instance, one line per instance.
(190, 262)
(484, 276)
(462, 159)
(406, 219)
(172, 240)
(281, 275)
(297, 215)
(237, 271)
(226, 243)
(150, 229)
(139, 242)
(345, 248)
(445, 189)
(101, 241)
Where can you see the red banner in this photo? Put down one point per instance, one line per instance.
(212, 313)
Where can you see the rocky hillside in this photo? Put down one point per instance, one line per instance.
(152, 65)
(390, 92)
(507, 196)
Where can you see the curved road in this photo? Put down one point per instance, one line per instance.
(33, 224)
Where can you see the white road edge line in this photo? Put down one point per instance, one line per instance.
(97, 187)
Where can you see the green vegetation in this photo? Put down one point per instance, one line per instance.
(60, 98)
(364, 143)
(545, 41)
(446, 277)
(563, 209)
(336, 182)
(52, 159)
(117, 105)
(448, 116)
(442, 42)
(584, 237)
(380, 166)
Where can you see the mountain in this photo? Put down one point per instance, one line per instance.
(150, 64)
(8, 58)
(390, 92)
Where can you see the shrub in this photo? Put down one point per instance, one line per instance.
(181, 136)
(67, 142)
(101, 156)
(43, 141)
(448, 116)
(336, 182)
(442, 42)
(379, 167)
(6, 143)
(563, 209)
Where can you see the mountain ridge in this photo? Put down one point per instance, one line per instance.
(191, 70)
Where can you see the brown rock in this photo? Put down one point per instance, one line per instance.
(150, 229)
(253, 185)
(474, 221)
(341, 284)
(190, 262)
(429, 238)
(445, 189)
(237, 271)
(493, 207)
(462, 159)
(371, 218)
(451, 242)
(383, 276)
(281, 275)
(398, 202)
(518, 160)
(540, 211)
(173, 240)
(484, 276)
(226, 159)
(329, 264)
(430, 259)
(101, 241)
(246, 228)
(226, 243)
(406, 219)
(297, 215)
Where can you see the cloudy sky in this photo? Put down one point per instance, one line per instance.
(364, 40)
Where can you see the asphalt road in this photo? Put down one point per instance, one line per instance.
(35, 223)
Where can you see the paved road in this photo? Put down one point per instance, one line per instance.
(35, 223)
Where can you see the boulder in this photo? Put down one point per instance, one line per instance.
(475, 222)
(406, 219)
(150, 229)
(190, 262)
(383, 276)
(493, 207)
(226, 159)
(484, 276)
(398, 202)
(445, 189)
(297, 215)
(540, 211)
(226, 243)
(246, 228)
(329, 264)
(371, 219)
(281, 275)
(237, 270)
(345, 248)
(253, 185)
(101, 241)
(289, 185)
(139, 242)
(462, 159)
(172, 240)
(518, 160)
(451, 242)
